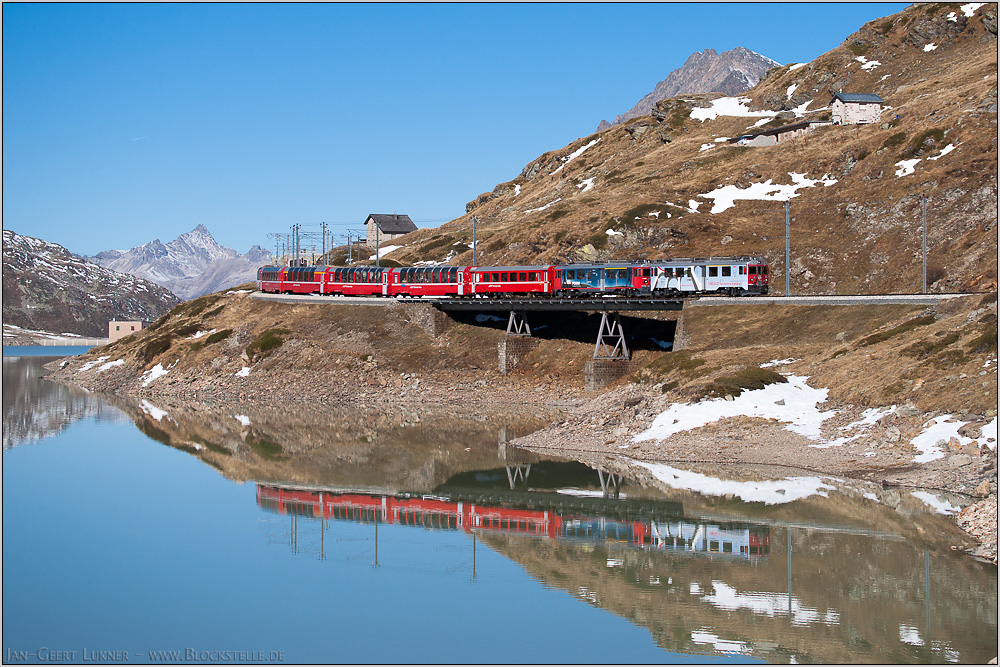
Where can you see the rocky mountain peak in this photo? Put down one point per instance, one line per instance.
(731, 72)
(191, 265)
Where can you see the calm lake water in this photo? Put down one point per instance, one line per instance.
(172, 532)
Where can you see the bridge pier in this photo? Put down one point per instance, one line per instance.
(517, 343)
(512, 349)
(612, 360)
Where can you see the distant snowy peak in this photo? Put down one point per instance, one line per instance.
(731, 72)
(191, 265)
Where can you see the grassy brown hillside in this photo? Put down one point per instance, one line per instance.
(858, 231)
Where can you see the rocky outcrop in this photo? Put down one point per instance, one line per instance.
(731, 72)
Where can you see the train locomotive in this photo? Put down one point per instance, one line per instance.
(733, 276)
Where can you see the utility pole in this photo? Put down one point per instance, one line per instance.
(788, 241)
(324, 243)
(923, 203)
(474, 241)
(376, 246)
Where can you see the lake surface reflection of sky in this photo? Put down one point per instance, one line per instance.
(399, 535)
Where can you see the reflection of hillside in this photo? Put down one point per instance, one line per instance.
(381, 447)
(34, 408)
(853, 598)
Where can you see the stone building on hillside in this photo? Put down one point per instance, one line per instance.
(855, 108)
(387, 226)
(779, 134)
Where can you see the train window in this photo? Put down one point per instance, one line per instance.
(727, 547)
(713, 272)
(453, 275)
(753, 270)
(763, 270)
(503, 277)
(436, 275)
(645, 273)
(743, 270)
(727, 271)
(522, 277)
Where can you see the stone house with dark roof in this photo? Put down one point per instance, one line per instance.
(778, 134)
(387, 226)
(855, 108)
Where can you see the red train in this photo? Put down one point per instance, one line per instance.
(438, 513)
(735, 276)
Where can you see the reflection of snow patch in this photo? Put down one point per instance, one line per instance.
(153, 411)
(482, 317)
(910, 635)
(722, 645)
(939, 506)
(726, 597)
(769, 492)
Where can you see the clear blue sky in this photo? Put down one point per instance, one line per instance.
(129, 122)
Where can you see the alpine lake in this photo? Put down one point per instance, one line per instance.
(158, 532)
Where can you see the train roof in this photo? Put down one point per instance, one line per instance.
(658, 262)
(536, 267)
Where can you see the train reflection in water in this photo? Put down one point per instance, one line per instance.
(737, 540)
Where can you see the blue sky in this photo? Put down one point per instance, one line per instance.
(129, 122)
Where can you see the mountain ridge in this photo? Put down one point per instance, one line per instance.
(47, 287)
(730, 72)
(190, 266)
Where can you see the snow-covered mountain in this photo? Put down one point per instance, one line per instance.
(47, 287)
(34, 408)
(189, 266)
(731, 72)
